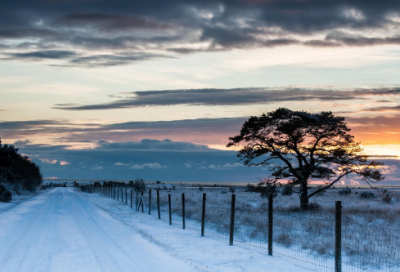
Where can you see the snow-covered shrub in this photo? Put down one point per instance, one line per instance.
(345, 191)
(5, 195)
(367, 195)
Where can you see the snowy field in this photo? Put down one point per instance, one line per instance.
(63, 229)
(370, 239)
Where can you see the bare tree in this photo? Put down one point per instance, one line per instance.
(299, 147)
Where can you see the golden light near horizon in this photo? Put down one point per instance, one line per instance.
(391, 151)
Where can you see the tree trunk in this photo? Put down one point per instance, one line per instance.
(304, 196)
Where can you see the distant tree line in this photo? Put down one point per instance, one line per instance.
(16, 172)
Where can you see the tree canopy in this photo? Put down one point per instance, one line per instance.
(299, 147)
(18, 170)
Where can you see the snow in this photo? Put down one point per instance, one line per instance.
(66, 230)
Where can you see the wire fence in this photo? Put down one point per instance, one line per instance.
(306, 239)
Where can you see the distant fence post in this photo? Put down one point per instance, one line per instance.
(158, 204)
(131, 198)
(169, 209)
(118, 192)
(114, 192)
(149, 201)
(203, 214)
(142, 202)
(338, 236)
(270, 223)
(183, 211)
(232, 219)
(126, 195)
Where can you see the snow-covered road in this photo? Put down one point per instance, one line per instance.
(65, 230)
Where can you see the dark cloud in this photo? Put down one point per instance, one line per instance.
(109, 22)
(341, 37)
(384, 109)
(74, 59)
(238, 96)
(113, 60)
(175, 26)
(48, 54)
(27, 33)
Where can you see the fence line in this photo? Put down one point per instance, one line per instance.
(319, 244)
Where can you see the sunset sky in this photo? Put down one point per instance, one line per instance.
(153, 89)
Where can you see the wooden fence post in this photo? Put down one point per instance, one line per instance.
(232, 220)
(183, 211)
(131, 198)
(149, 201)
(270, 223)
(338, 236)
(203, 214)
(126, 195)
(142, 202)
(169, 209)
(158, 204)
(118, 192)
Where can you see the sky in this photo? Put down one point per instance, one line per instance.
(154, 89)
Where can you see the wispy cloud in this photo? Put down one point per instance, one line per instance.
(238, 96)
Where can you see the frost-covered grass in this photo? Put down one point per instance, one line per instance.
(370, 226)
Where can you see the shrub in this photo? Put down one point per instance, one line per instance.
(139, 185)
(249, 188)
(345, 191)
(284, 239)
(313, 206)
(5, 195)
(367, 195)
(387, 199)
(287, 191)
